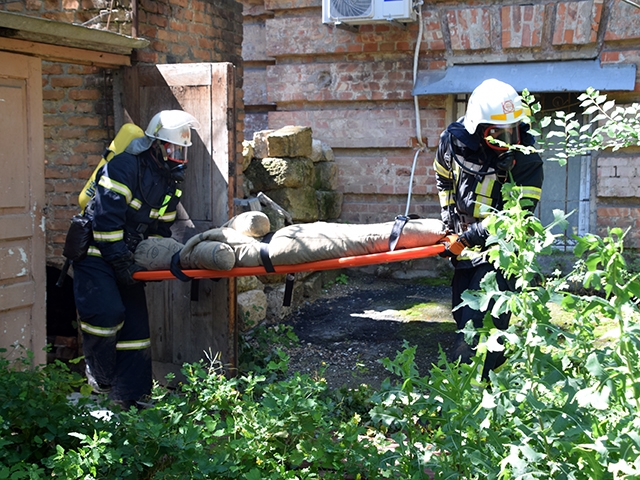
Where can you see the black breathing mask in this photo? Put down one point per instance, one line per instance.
(178, 171)
(506, 161)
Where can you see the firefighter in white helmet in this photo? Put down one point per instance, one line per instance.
(137, 194)
(470, 171)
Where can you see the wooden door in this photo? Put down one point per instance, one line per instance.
(186, 322)
(22, 236)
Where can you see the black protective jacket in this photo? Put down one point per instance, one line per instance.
(135, 198)
(463, 194)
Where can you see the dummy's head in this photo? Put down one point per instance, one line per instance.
(172, 131)
(495, 110)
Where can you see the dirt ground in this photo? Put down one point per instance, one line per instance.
(352, 326)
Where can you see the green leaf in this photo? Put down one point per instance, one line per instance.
(594, 366)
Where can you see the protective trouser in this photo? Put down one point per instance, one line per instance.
(469, 279)
(115, 329)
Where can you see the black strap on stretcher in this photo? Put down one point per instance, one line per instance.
(396, 230)
(268, 266)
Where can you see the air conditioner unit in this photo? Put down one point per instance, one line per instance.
(358, 12)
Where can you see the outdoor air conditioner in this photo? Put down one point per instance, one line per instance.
(357, 12)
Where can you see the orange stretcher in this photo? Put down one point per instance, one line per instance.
(330, 264)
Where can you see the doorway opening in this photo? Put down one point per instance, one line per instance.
(62, 320)
(566, 187)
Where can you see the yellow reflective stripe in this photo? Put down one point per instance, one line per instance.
(178, 193)
(94, 252)
(483, 197)
(532, 192)
(100, 331)
(116, 187)
(503, 116)
(442, 171)
(154, 213)
(113, 236)
(485, 187)
(165, 204)
(446, 198)
(168, 217)
(133, 344)
(135, 204)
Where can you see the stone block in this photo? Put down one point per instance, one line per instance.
(312, 286)
(326, 176)
(276, 311)
(260, 147)
(329, 204)
(247, 154)
(276, 218)
(290, 141)
(316, 151)
(252, 308)
(271, 173)
(327, 152)
(244, 284)
(301, 202)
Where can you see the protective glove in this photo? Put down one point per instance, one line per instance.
(124, 267)
(475, 235)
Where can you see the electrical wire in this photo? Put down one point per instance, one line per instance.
(421, 145)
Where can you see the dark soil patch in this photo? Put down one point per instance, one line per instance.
(344, 334)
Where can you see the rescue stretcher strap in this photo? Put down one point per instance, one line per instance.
(329, 264)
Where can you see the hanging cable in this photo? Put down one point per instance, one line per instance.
(401, 220)
(421, 145)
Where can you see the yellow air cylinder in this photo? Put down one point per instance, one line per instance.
(127, 132)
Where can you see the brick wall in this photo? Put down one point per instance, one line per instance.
(354, 88)
(78, 105)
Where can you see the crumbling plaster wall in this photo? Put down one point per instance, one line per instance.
(78, 100)
(354, 89)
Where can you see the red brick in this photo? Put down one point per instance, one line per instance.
(469, 28)
(576, 23)
(623, 22)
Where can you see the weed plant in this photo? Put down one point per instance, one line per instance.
(565, 405)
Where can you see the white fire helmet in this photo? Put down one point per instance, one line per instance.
(172, 126)
(495, 103)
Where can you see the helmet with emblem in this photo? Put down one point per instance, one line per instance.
(173, 130)
(495, 103)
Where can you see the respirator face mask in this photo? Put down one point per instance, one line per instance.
(507, 134)
(176, 159)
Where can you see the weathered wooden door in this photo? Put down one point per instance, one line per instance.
(189, 321)
(22, 244)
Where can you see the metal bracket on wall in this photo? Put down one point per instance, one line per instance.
(348, 28)
(398, 24)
